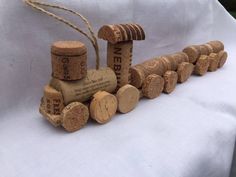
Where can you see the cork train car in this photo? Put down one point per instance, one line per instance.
(76, 94)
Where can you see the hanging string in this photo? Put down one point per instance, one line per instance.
(92, 38)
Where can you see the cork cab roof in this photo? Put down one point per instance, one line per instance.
(68, 48)
(121, 32)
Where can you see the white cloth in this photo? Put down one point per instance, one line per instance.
(189, 133)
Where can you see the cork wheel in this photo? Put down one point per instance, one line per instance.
(127, 97)
(103, 107)
(74, 116)
(153, 86)
(184, 71)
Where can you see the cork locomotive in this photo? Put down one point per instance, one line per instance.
(74, 93)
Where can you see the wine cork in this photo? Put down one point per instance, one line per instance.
(184, 71)
(74, 116)
(170, 81)
(121, 32)
(192, 52)
(202, 65)
(166, 63)
(209, 48)
(213, 62)
(204, 50)
(222, 58)
(127, 97)
(55, 120)
(137, 77)
(69, 60)
(153, 86)
(53, 101)
(103, 107)
(216, 45)
(119, 59)
(82, 90)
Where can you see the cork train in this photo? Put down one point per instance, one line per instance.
(76, 94)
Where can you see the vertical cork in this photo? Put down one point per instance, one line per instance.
(202, 65)
(170, 81)
(184, 71)
(223, 55)
(69, 60)
(213, 62)
(119, 59)
(53, 101)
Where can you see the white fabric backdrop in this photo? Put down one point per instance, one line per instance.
(190, 133)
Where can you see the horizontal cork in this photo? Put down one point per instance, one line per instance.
(213, 62)
(223, 55)
(153, 86)
(69, 60)
(82, 90)
(121, 32)
(202, 65)
(170, 81)
(55, 120)
(209, 48)
(74, 116)
(103, 107)
(193, 53)
(184, 71)
(119, 59)
(128, 98)
(216, 45)
(53, 100)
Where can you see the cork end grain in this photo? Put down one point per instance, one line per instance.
(184, 71)
(103, 107)
(68, 48)
(202, 65)
(170, 79)
(153, 86)
(223, 55)
(137, 77)
(192, 52)
(128, 98)
(74, 116)
(213, 62)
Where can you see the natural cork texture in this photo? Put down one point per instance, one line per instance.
(103, 107)
(119, 59)
(216, 45)
(121, 32)
(82, 90)
(209, 48)
(202, 65)
(184, 71)
(153, 86)
(192, 52)
(127, 97)
(53, 101)
(213, 62)
(222, 58)
(203, 50)
(69, 60)
(170, 81)
(137, 77)
(74, 116)
(55, 120)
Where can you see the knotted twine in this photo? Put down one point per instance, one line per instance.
(92, 38)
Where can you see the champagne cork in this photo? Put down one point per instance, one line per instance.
(74, 116)
(216, 45)
(213, 62)
(192, 52)
(127, 97)
(222, 58)
(69, 60)
(121, 32)
(153, 86)
(119, 59)
(202, 65)
(55, 120)
(170, 81)
(53, 101)
(137, 77)
(82, 90)
(184, 71)
(103, 107)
